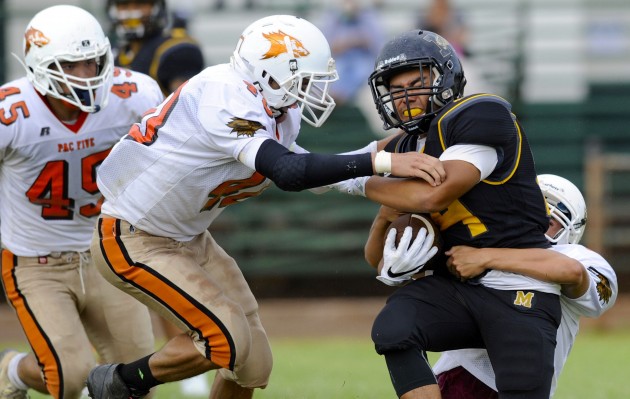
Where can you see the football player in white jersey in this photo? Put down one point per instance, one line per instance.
(59, 122)
(589, 288)
(221, 138)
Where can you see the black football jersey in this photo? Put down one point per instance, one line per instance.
(507, 209)
(172, 55)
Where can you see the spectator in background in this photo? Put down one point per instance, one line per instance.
(145, 43)
(355, 35)
(447, 21)
(220, 5)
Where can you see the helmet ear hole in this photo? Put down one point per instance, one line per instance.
(272, 82)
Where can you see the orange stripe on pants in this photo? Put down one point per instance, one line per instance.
(220, 348)
(40, 344)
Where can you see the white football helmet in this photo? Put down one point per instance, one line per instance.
(288, 59)
(567, 206)
(68, 34)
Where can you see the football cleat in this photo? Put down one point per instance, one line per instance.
(7, 389)
(104, 382)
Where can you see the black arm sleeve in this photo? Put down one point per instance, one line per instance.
(296, 172)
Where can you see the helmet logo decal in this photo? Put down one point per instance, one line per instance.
(244, 127)
(399, 58)
(278, 46)
(34, 37)
(443, 45)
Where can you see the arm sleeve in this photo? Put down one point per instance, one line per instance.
(296, 172)
(482, 157)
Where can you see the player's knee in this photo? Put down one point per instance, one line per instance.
(250, 378)
(394, 328)
(229, 346)
(255, 372)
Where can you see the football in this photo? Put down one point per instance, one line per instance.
(417, 221)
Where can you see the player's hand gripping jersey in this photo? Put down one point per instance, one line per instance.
(506, 209)
(600, 296)
(48, 182)
(188, 170)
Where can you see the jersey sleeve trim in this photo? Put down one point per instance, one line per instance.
(441, 125)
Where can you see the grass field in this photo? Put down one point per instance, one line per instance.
(336, 368)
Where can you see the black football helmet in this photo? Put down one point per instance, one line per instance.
(133, 24)
(420, 50)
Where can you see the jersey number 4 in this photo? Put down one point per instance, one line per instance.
(50, 189)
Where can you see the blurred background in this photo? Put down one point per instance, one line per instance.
(564, 65)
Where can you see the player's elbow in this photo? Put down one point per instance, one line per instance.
(423, 202)
(574, 273)
(287, 182)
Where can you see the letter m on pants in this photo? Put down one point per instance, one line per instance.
(523, 299)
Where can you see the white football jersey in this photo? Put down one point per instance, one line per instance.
(600, 296)
(49, 197)
(186, 166)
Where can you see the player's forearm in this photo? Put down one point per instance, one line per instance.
(542, 264)
(406, 195)
(374, 245)
(295, 172)
(418, 196)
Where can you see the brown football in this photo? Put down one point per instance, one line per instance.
(417, 221)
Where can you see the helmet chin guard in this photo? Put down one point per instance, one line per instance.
(61, 34)
(288, 59)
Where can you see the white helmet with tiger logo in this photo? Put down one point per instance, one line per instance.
(67, 33)
(567, 207)
(288, 59)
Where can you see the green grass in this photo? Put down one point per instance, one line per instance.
(349, 368)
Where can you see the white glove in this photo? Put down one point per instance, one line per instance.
(354, 186)
(399, 264)
(320, 190)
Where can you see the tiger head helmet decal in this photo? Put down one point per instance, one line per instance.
(34, 37)
(279, 45)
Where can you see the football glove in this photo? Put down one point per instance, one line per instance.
(354, 186)
(402, 262)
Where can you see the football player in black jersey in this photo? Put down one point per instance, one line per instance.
(145, 43)
(489, 198)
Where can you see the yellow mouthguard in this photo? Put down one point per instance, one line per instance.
(413, 112)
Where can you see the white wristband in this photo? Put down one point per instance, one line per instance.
(383, 162)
